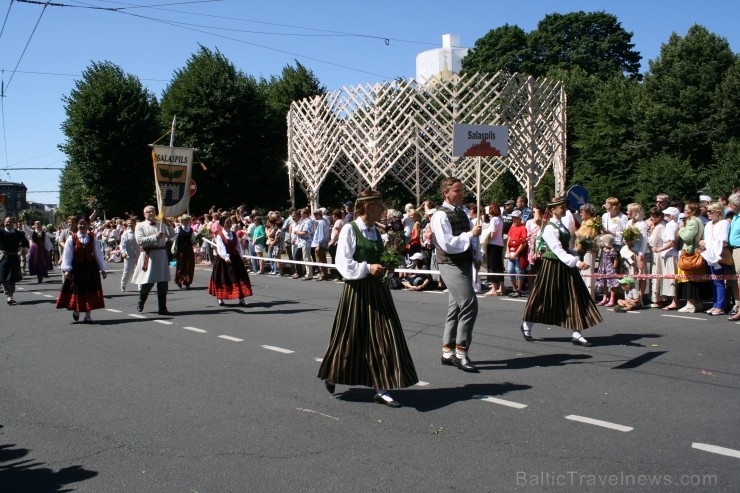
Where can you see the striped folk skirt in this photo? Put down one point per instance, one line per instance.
(560, 297)
(82, 289)
(229, 280)
(367, 345)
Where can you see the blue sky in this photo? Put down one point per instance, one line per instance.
(342, 42)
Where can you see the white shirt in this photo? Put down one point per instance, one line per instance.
(346, 265)
(69, 251)
(221, 248)
(442, 231)
(552, 238)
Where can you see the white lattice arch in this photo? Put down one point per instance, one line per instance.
(362, 133)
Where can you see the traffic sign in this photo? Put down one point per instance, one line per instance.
(577, 196)
(193, 187)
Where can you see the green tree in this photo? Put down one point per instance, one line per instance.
(595, 42)
(677, 113)
(220, 113)
(607, 157)
(666, 173)
(111, 118)
(502, 49)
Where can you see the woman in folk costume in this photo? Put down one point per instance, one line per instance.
(559, 295)
(367, 346)
(39, 255)
(229, 279)
(82, 264)
(184, 254)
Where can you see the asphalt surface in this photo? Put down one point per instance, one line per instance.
(226, 399)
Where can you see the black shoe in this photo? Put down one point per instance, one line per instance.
(391, 403)
(583, 343)
(527, 338)
(12, 302)
(243, 304)
(220, 302)
(329, 386)
(140, 306)
(164, 312)
(466, 365)
(75, 316)
(449, 361)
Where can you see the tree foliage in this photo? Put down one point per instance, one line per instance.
(504, 48)
(111, 118)
(220, 113)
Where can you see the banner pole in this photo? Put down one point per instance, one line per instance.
(172, 131)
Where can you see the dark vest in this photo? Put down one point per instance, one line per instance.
(83, 254)
(563, 236)
(460, 223)
(367, 251)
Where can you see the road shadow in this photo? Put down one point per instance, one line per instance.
(426, 400)
(44, 301)
(29, 475)
(620, 339)
(545, 360)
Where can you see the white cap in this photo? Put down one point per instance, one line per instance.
(417, 256)
(516, 213)
(705, 198)
(672, 211)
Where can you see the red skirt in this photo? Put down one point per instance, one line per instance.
(229, 280)
(82, 290)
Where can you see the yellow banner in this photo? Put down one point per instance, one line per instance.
(173, 168)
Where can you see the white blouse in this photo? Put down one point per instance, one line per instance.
(68, 253)
(346, 265)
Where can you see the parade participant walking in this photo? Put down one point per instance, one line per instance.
(367, 346)
(11, 240)
(452, 236)
(82, 264)
(184, 254)
(129, 252)
(229, 278)
(39, 255)
(153, 263)
(559, 295)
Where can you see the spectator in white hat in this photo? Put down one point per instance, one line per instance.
(666, 254)
(416, 281)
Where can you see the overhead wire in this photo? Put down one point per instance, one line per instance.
(7, 15)
(5, 86)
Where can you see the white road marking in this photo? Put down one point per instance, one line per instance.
(36, 292)
(163, 322)
(229, 338)
(319, 360)
(195, 329)
(687, 318)
(49, 296)
(20, 289)
(716, 449)
(494, 400)
(278, 349)
(135, 315)
(422, 383)
(598, 422)
(112, 310)
(517, 300)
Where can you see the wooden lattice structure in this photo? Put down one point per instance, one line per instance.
(403, 128)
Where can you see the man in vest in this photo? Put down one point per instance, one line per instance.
(455, 241)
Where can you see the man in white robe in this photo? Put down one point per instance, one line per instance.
(153, 264)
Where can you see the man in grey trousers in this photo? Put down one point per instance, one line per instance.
(455, 241)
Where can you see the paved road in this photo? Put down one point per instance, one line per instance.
(226, 400)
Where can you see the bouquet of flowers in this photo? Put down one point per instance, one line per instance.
(630, 234)
(202, 233)
(393, 253)
(596, 224)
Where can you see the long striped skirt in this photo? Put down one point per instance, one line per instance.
(560, 297)
(367, 345)
(82, 289)
(229, 280)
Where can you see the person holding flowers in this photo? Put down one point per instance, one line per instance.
(559, 295)
(367, 346)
